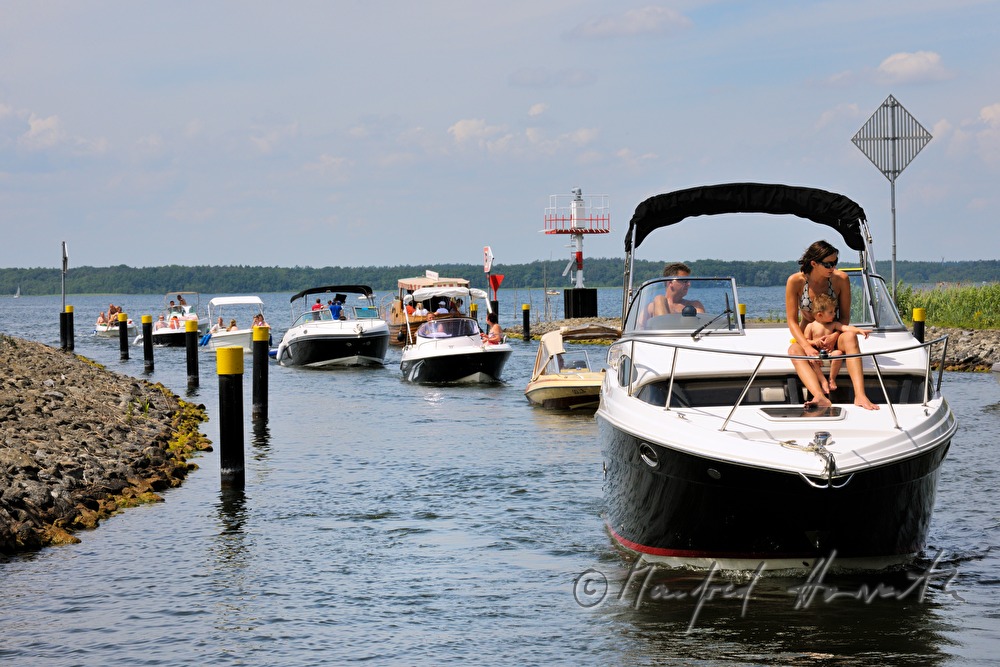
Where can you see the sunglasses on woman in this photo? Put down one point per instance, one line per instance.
(830, 265)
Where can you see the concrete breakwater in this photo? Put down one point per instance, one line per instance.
(79, 442)
(968, 349)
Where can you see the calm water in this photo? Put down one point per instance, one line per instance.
(406, 525)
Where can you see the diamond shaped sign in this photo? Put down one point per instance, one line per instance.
(891, 138)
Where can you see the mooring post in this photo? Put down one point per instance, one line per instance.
(147, 343)
(63, 344)
(229, 365)
(526, 321)
(70, 338)
(919, 315)
(743, 315)
(191, 343)
(258, 410)
(123, 335)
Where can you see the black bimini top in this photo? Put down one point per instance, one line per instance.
(350, 289)
(826, 208)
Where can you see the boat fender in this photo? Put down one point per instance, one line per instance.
(205, 339)
(400, 336)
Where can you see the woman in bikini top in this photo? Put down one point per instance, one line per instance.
(805, 303)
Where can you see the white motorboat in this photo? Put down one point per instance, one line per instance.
(237, 311)
(568, 379)
(352, 334)
(712, 459)
(449, 347)
(170, 327)
(111, 329)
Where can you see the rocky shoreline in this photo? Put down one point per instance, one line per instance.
(79, 442)
(968, 349)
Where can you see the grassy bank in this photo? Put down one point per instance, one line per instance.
(966, 307)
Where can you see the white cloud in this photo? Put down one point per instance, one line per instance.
(537, 109)
(988, 139)
(540, 77)
(919, 67)
(474, 130)
(42, 133)
(267, 141)
(835, 114)
(650, 20)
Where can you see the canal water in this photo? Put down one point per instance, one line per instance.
(392, 524)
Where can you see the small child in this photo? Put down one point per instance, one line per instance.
(823, 324)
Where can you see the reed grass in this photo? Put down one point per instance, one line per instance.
(961, 306)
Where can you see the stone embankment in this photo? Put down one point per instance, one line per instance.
(79, 442)
(968, 349)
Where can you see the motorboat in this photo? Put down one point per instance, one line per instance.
(239, 312)
(111, 329)
(345, 330)
(403, 325)
(712, 456)
(170, 327)
(568, 379)
(449, 347)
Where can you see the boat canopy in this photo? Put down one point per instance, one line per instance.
(235, 301)
(427, 281)
(450, 292)
(826, 208)
(353, 289)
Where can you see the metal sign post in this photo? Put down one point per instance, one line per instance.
(65, 268)
(891, 139)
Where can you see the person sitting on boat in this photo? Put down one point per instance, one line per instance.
(318, 305)
(824, 310)
(673, 301)
(232, 325)
(102, 319)
(175, 323)
(336, 309)
(442, 308)
(455, 308)
(420, 310)
(161, 323)
(218, 326)
(408, 304)
(494, 335)
(112, 311)
(181, 301)
(818, 274)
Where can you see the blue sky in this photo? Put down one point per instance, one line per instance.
(377, 132)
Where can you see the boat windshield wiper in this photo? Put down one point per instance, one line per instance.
(727, 311)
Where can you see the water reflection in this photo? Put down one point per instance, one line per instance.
(808, 619)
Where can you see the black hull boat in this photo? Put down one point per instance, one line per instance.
(346, 332)
(712, 456)
(321, 351)
(675, 507)
(450, 346)
(457, 368)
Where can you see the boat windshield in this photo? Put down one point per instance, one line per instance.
(575, 361)
(448, 328)
(872, 307)
(705, 305)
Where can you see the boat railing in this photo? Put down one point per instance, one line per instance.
(762, 356)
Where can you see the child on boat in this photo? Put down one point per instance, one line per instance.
(824, 311)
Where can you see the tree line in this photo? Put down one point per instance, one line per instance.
(601, 272)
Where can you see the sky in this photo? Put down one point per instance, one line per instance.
(385, 132)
